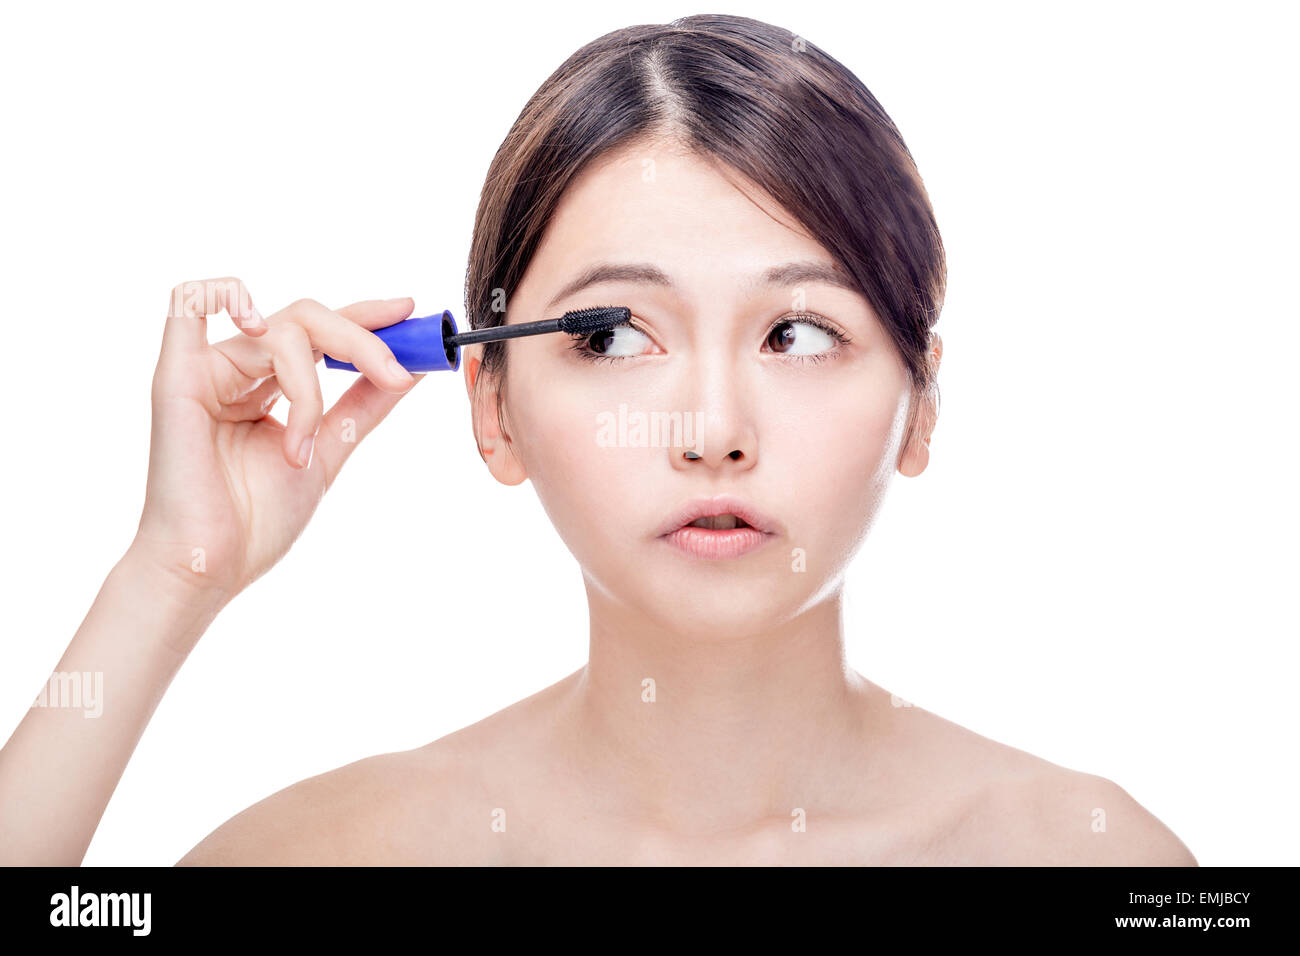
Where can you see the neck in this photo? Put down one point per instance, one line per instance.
(699, 730)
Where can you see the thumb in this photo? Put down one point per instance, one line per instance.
(352, 418)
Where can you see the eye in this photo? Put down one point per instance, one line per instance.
(620, 342)
(805, 337)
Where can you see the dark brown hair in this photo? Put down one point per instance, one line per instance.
(757, 98)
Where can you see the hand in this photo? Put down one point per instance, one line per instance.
(229, 487)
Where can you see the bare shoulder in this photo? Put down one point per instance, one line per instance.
(385, 810)
(1005, 806)
(438, 804)
(1022, 810)
(1072, 818)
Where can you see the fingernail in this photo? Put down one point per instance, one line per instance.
(254, 319)
(395, 367)
(400, 298)
(305, 450)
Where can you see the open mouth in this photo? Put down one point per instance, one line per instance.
(723, 519)
(726, 522)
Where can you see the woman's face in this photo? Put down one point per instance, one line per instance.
(804, 427)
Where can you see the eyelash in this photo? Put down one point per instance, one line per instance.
(799, 318)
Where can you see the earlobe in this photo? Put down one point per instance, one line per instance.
(500, 458)
(916, 450)
(915, 458)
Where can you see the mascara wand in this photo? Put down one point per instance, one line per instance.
(431, 343)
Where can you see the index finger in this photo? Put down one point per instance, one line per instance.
(192, 302)
(374, 314)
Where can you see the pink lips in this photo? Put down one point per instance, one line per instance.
(708, 543)
(715, 544)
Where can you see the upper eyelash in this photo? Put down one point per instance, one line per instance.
(804, 318)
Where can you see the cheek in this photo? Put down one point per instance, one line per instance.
(583, 484)
(844, 423)
(835, 448)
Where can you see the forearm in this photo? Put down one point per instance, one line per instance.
(62, 764)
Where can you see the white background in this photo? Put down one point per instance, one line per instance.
(1098, 566)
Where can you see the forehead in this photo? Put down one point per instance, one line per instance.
(657, 202)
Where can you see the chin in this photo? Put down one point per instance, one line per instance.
(715, 610)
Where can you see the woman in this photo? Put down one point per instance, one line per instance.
(752, 204)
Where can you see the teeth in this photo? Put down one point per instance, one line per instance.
(719, 522)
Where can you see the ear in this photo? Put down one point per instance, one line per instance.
(916, 449)
(494, 448)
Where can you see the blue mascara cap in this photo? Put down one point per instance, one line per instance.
(417, 344)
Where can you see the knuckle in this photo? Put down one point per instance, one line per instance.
(230, 289)
(304, 305)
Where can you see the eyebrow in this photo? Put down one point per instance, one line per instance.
(646, 273)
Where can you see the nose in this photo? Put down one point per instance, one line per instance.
(718, 380)
(723, 439)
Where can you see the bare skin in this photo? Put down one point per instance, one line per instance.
(759, 743)
(931, 793)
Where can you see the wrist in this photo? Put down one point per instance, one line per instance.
(176, 589)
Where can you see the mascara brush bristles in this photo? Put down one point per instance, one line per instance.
(591, 321)
(577, 322)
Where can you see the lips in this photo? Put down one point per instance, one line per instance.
(721, 512)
